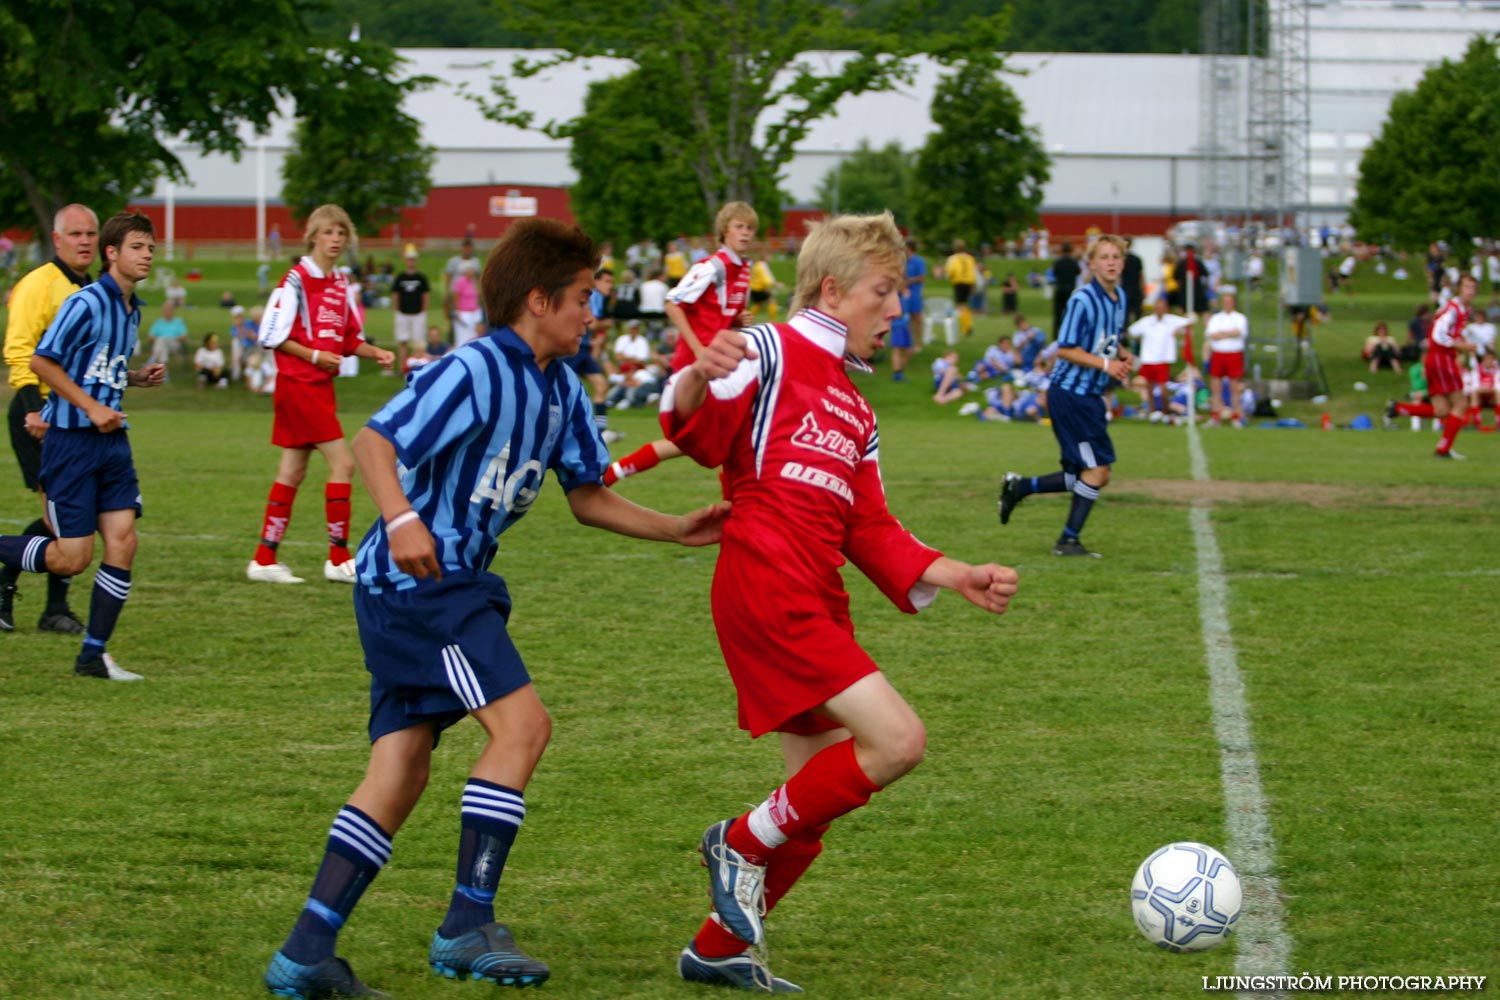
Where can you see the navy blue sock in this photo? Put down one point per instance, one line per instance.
(357, 849)
(1054, 482)
(1084, 496)
(57, 586)
(25, 552)
(111, 588)
(491, 816)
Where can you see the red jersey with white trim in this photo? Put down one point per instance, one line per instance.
(313, 309)
(1444, 373)
(800, 451)
(712, 294)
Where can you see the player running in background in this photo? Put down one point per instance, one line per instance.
(452, 462)
(311, 322)
(800, 450)
(33, 303)
(1089, 355)
(87, 471)
(710, 298)
(1445, 374)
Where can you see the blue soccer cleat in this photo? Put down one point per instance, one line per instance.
(330, 978)
(737, 887)
(745, 971)
(488, 953)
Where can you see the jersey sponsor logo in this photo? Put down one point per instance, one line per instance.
(514, 493)
(797, 472)
(330, 315)
(834, 444)
(847, 399)
(844, 415)
(108, 370)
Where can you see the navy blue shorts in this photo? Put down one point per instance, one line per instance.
(84, 474)
(1081, 428)
(437, 651)
(583, 363)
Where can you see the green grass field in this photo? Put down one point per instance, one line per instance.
(158, 838)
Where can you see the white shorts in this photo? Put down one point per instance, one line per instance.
(411, 328)
(465, 326)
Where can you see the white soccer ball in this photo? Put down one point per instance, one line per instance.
(1186, 897)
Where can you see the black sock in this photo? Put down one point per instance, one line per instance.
(1084, 496)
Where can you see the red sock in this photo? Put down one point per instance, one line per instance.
(786, 866)
(1415, 409)
(828, 786)
(1451, 426)
(278, 515)
(336, 510)
(640, 460)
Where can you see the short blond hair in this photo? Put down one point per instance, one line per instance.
(325, 215)
(734, 211)
(1118, 242)
(841, 248)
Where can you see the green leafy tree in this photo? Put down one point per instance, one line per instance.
(1426, 175)
(1049, 26)
(743, 79)
(428, 24)
(353, 145)
(870, 180)
(95, 90)
(981, 173)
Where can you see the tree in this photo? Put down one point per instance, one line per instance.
(95, 90)
(870, 180)
(1426, 176)
(428, 24)
(744, 79)
(981, 174)
(354, 145)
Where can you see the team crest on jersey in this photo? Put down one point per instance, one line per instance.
(833, 443)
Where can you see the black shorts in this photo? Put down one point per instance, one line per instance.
(961, 294)
(28, 449)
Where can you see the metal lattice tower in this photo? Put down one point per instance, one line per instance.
(1220, 139)
(1280, 113)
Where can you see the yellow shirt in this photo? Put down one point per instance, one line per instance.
(33, 302)
(760, 277)
(676, 265)
(960, 269)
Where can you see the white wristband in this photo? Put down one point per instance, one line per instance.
(315, 356)
(405, 517)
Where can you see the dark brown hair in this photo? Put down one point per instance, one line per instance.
(120, 225)
(534, 254)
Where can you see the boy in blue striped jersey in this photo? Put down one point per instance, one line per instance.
(1089, 357)
(452, 462)
(87, 472)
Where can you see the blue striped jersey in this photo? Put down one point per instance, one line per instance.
(1093, 322)
(92, 337)
(474, 433)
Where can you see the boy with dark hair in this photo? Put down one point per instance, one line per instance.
(87, 471)
(453, 461)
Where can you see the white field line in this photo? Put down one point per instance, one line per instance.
(1265, 947)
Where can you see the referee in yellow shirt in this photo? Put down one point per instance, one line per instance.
(33, 303)
(962, 273)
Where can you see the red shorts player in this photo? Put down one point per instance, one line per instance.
(1445, 373)
(711, 297)
(799, 447)
(312, 322)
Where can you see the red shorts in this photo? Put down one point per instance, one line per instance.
(786, 653)
(1444, 374)
(1157, 374)
(306, 414)
(1226, 364)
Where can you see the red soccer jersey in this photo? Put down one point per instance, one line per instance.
(1444, 373)
(712, 294)
(799, 447)
(317, 311)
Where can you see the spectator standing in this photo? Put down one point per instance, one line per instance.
(1133, 283)
(962, 272)
(1065, 272)
(1156, 337)
(413, 297)
(916, 285)
(1227, 334)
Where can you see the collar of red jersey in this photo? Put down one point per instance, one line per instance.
(311, 267)
(829, 334)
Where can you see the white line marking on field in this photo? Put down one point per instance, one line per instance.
(1265, 948)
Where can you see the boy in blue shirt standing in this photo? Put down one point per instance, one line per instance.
(453, 461)
(1089, 357)
(87, 472)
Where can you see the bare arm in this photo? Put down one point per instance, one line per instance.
(685, 333)
(1118, 368)
(598, 507)
(989, 586)
(411, 543)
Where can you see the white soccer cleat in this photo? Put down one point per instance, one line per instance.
(274, 573)
(339, 573)
(968, 409)
(610, 437)
(119, 673)
(104, 668)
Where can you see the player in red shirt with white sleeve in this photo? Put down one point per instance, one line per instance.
(1445, 373)
(312, 322)
(710, 297)
(799, 446)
